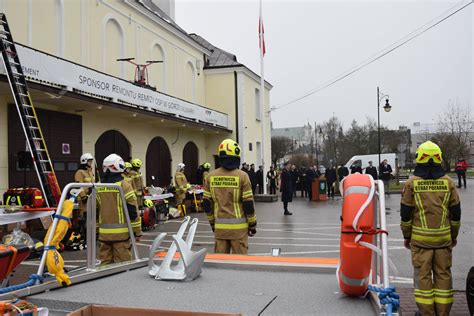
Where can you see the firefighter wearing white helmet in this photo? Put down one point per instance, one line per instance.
(85, 174)
(430, 220)
(228, 202)
(114, 236)
(181, 184)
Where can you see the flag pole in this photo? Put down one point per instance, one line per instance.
(262, 94)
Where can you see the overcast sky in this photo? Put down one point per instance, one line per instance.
(310, 42)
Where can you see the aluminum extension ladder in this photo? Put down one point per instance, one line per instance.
(28, 118)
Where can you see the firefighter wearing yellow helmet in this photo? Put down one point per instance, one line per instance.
(430, 220)
(205, 171)
(182, 185)
(228, 202)
(126, 173)
(133, 175)
(137, 180)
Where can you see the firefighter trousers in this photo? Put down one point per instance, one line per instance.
(433, 281)
(238, 246)
(114, 251)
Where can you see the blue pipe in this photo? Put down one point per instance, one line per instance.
(31, 281)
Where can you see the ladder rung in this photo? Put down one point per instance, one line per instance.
(33, 127)
(4, 32)
(37, 138)
(27, 105)
(16, 74)
(30, 116)
(7, 41)
(19, 83)
(40, 149)
(44, 161)
(13, 63)
(23, 95)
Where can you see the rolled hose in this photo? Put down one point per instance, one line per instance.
(31, 281)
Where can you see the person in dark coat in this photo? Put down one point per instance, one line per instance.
(253, 178)
(372, 171)
(385, 175)
(272, 178)
(294, 178)
(286, 188)
(310, 175)
(302, 175)
(342, 172)
(259, 175)
(356, 168)
(331, 177)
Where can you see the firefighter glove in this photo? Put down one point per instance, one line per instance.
(252, 231)
(407, 243)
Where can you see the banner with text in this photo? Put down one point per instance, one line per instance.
(41, 66)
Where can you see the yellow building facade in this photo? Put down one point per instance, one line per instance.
(87, 101)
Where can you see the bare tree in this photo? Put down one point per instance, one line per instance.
(281, 146)
(333, 136)
(456, 124)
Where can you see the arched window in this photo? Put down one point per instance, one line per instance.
(158, 163)
(190, 159)
(190, 82)
(111, 142)
(157, 72)
(113, 47)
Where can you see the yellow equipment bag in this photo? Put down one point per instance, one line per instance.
(54, 261)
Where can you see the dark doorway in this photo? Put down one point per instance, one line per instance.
(59, 130)
(158, 162)
(190, 159)
(111, 142)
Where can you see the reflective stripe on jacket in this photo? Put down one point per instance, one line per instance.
(227, 190)
(113, 224)
(430, 225)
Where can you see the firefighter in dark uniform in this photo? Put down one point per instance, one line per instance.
(430, 220)
(114, 236)
(228, 202)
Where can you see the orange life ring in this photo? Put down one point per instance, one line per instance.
(355, 259)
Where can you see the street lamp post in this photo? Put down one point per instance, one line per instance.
(387, 109)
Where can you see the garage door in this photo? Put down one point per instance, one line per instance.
(63, 136)
(190, 159)
(111, 142)
(158, 162)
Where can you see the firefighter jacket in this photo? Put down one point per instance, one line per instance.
(430, 212)
(204, 176)
(228, 202)
(84, 176)
(181, 182)
(137, 183)
(112, 221)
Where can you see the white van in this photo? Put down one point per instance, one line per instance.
(363, 161)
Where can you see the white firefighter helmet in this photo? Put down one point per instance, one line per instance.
(85, 158)
(181, 166)
(114, 163)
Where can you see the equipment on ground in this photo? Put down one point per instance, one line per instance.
(30, 197)
(364, 262)
(29, 120)
(189, 266)
(470, 291)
